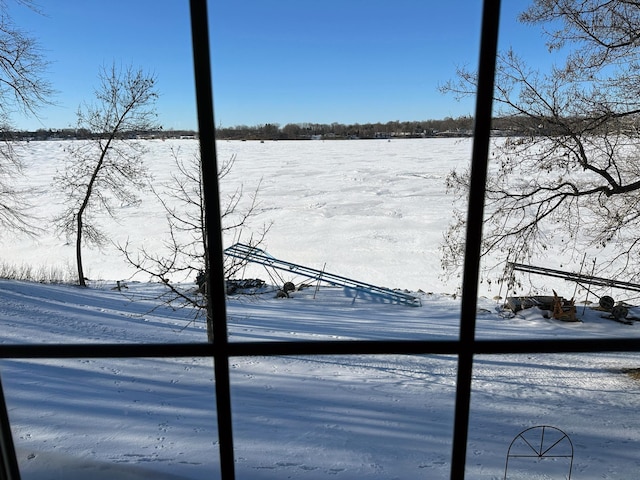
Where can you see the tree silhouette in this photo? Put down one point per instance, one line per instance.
(109, 168)
(23, 88)
(571, 180)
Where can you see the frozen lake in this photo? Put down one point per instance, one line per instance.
(372, 210)
(339, 205)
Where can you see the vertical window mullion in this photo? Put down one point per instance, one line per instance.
(214, 256)
(475, 213)
(8, 461)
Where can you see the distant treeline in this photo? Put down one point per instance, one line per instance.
(82, 134)
(303, 131)
(447, 127)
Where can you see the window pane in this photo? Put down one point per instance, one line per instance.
(136, 188)
(132, 418)
(552, 201)
(358, 189)
(588, 396)
(352, 416)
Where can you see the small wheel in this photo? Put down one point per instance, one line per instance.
(606, 303)
(619, 312)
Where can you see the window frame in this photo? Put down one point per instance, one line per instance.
(221, 350)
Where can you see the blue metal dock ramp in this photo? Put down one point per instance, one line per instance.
(256, 255)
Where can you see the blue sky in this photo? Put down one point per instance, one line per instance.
(274, 61)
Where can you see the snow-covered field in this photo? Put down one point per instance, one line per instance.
(371, 210)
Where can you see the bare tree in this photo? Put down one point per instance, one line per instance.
(108, 168)
(185, 255)
(568, 177)
(23, 89)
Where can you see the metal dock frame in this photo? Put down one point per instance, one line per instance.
(256, 255)
(580, 279)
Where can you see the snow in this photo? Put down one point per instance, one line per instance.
(357, 200)
(302, 417)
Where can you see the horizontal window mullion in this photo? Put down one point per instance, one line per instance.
(439, 347)
(333, 347)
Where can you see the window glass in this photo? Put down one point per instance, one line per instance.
(356, 416)
(128, 418)
(586, 396)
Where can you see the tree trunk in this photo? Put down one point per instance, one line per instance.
(83, 207)
(81, 280)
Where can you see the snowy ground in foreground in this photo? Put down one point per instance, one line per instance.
(303, 417)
